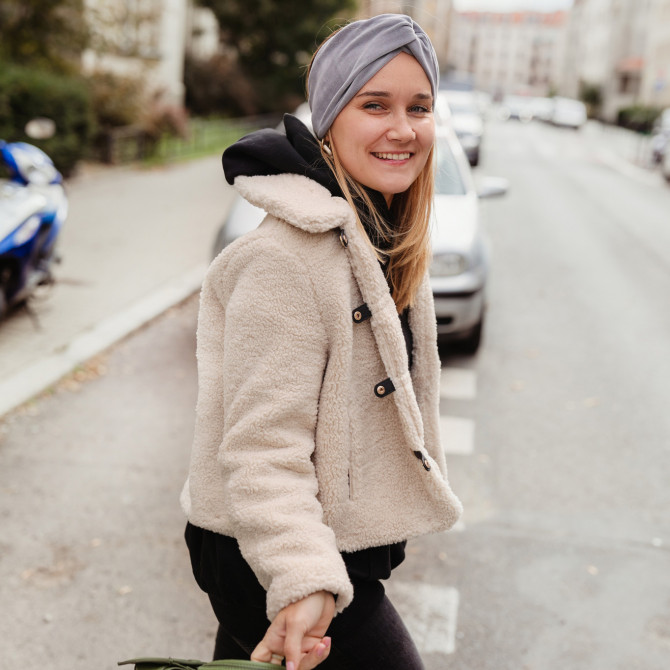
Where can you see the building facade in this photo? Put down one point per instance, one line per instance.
(655, 82)
(140, 38)
(623, 48)
(511, 52)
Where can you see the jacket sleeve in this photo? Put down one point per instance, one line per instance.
(274, 356)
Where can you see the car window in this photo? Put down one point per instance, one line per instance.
(448, 180)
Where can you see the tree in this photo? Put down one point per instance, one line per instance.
(50, 34)
(274, 39)
(592, 96)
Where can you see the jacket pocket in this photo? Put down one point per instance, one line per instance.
(352, 469)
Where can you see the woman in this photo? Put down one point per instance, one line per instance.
(316, 453)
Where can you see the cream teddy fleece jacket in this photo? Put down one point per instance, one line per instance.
(312, 436)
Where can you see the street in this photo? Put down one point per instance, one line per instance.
(557, 433)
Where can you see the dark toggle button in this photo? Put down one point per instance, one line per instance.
(361, 313)
(344, 240)
(423, 459)
(384, 388)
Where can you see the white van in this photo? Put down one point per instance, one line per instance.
(568, 113)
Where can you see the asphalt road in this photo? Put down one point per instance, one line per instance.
(565, 561)
(563, 457)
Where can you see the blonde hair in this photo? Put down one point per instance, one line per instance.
(409, 254)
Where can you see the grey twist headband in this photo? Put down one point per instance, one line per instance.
(354, 54)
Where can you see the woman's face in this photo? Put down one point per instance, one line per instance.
(384, 135)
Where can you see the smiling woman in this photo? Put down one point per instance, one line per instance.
(317, 451)
(384, 136)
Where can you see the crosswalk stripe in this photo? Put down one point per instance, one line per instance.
(458, 384)
(457, 435)
(430, 613)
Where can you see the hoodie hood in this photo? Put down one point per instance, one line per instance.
(269, 152)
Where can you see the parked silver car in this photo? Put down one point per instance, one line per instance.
(463, 111)
(460, 267)
(660, 139)
(665, 166)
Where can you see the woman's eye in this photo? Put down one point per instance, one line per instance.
(419, 109)
(372, 105)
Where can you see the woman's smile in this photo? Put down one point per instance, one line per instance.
(392, 156)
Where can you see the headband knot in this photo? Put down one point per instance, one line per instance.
(354, 54)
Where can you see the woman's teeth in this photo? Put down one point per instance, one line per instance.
(393, 157)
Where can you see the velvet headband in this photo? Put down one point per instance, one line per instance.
(354, 54)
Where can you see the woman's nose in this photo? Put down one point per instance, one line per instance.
(401, 130)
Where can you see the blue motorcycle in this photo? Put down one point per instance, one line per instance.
(33, 208)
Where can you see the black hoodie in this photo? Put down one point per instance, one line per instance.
(268, 152)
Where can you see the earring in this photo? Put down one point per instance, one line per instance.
(325, 145)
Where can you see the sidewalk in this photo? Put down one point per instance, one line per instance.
(135, 242)
(626, 144)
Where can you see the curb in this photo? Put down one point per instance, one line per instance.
(628, 168)
(38, 376)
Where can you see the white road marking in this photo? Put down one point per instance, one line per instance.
(458, 435)
(430, 613)
(458, 384)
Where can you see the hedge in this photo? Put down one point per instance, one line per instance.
(638, 117)
(27, 93)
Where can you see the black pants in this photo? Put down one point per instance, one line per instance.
(368, 635)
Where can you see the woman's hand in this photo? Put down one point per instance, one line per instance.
(297, 633)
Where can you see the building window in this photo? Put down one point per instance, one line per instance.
(629, 83)
(130, 28)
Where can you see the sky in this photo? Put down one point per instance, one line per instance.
(511, 5)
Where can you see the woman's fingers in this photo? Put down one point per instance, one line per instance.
(276, 659)
(312, 653)
(307, 658)
(318, 654)
(263, 653)
(306, 624)
(297, 633)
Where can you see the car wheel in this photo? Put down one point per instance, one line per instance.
(3, 303)
(470, 344)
